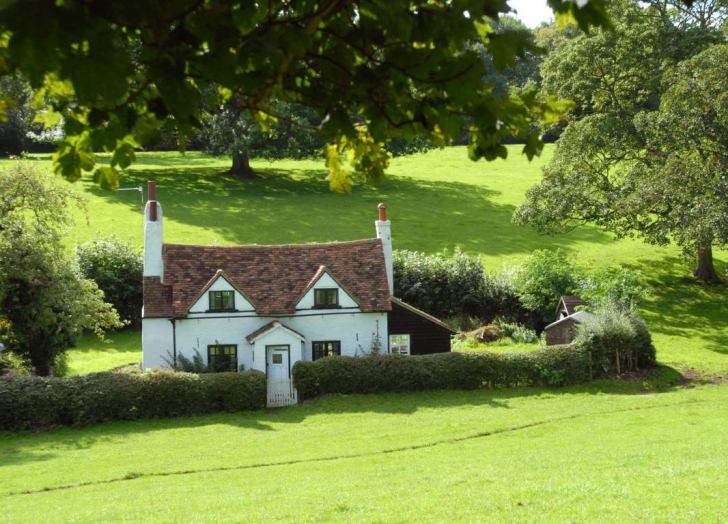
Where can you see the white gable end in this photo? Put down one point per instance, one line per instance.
(325, 281)
(221, 284)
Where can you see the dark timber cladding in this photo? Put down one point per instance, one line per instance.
(427, 334)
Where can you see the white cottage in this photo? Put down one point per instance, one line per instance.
(267, 307)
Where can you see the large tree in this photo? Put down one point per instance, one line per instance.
(44, 304)
(373, 70)
(604, 170)
(684, 168)
(227, 130)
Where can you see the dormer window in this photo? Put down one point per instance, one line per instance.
(326, 297)
(222, 301)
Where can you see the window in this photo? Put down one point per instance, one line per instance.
(222, 300)
(399, 344)
(222, 357)
(325, 297)
(326, 349)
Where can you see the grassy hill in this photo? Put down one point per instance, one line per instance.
(437, 201)
(602, 452)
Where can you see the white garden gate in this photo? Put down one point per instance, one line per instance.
(281, 393)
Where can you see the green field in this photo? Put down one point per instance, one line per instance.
(605, 452)
(437, 201)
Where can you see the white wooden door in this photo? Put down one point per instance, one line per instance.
(280, 387)
(278, 362)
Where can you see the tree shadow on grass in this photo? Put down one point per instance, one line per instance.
(683, 307)
(289, 206)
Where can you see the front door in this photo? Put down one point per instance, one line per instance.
(278, 362)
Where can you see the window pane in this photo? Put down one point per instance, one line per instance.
(222, 357)
(222, 300)
(326, 297)
(326, 349)
(277, 358)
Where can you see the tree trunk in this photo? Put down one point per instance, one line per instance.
(705, 270)
(241, 166)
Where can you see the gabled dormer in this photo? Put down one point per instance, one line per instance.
(220, 295)
(324, 291)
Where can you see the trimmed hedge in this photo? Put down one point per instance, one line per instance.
(44, 402)
(556, 365)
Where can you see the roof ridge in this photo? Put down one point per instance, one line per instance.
(413, 309)
(310, 244)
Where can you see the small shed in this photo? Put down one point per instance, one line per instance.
(563, 331)
(414, 332)
(567, 305)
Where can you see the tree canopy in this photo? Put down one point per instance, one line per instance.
(118, 72)
(630, 159)
(44, 304)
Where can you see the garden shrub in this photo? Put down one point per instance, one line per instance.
(613, 285)
(455, 286)
(616, 339)
(12, 365)
(440, 285)
(556, 365)
(41, 402)
(517, 332)
(116, 266)
(541, 280)
(500, 298)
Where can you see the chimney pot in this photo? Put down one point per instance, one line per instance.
(151, 190)
(382, 212)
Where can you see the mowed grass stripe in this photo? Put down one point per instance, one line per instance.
(649, 465)
(455, 440)
(360, 425)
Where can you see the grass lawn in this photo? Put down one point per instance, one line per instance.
(603, 452)
(439, 200)
(118, 349)
(598, 453)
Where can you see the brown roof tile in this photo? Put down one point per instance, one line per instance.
(157, 298)
(272, 276)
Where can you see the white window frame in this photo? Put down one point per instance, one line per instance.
(399, 340)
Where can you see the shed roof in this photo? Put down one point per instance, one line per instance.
(577, 317)
(569, 303)
(426, 316)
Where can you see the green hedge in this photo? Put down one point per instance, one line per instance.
(556, 365)
(37, 402)
(617, 340)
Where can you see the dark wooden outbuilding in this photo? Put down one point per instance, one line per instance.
(564, 330)
(425, 333)
(567, 305)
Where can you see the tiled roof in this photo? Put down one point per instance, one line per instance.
(272, 276)
(157, 298)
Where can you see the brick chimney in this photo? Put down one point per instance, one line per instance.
(153, 238)
(384, 232)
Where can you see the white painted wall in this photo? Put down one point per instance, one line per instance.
(156, 342)
(277, 337)
(325, 281)
(203, 304)
(354, 330)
